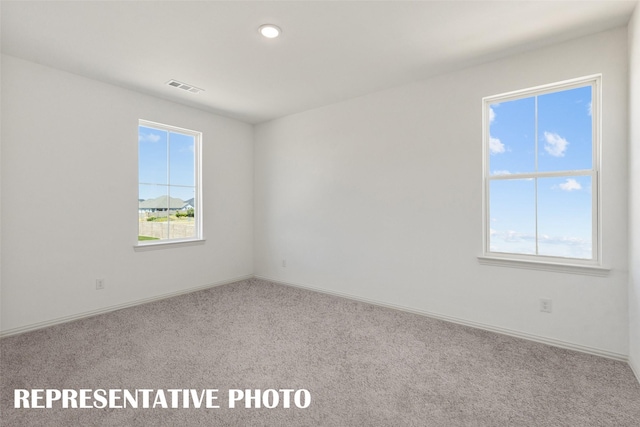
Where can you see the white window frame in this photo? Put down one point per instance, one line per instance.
(591, 266)
(197, 148)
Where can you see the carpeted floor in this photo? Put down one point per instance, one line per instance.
(363, 365)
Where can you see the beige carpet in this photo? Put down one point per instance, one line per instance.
(363, 366)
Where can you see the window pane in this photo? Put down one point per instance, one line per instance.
(182, 159)
(152, 155)
(182, 218)
(512, 216)
(564, 130)
(168, 183)
(153, 212)
(181, 196)
(564, 217)
(512, 137)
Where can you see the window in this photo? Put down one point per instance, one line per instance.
(169, 202)
(541, 164)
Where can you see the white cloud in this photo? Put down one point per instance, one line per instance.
(562, 240)
(148, 137)
(570, 184)
(517, 242)
(495, 146)
(555, 144)
(511, 241)
(501, 172)
(515, 236)
(492, 115)
(589, 110)
(565, 246)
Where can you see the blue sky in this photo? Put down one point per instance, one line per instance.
(564, 136)
(158, 177)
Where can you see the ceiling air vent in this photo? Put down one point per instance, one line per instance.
(184, 86)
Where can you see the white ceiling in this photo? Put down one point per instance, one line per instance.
(329, 50)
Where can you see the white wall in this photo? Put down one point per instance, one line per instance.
(634, 192)
(69, 197)
(377, 197)
(1, 169)
(380, 197)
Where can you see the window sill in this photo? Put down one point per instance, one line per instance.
(143, 247)
(589, 270)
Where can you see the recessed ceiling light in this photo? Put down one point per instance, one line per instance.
(270, 31)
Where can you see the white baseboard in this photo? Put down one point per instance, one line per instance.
(518, 334)
(103, 310)
(635, 368)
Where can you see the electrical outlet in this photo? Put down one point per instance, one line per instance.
(99, 284)
(284, 263)
(545, 305)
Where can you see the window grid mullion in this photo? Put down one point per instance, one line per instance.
(553, 174)
(535, 155)
(595, 179)
(168, 185)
